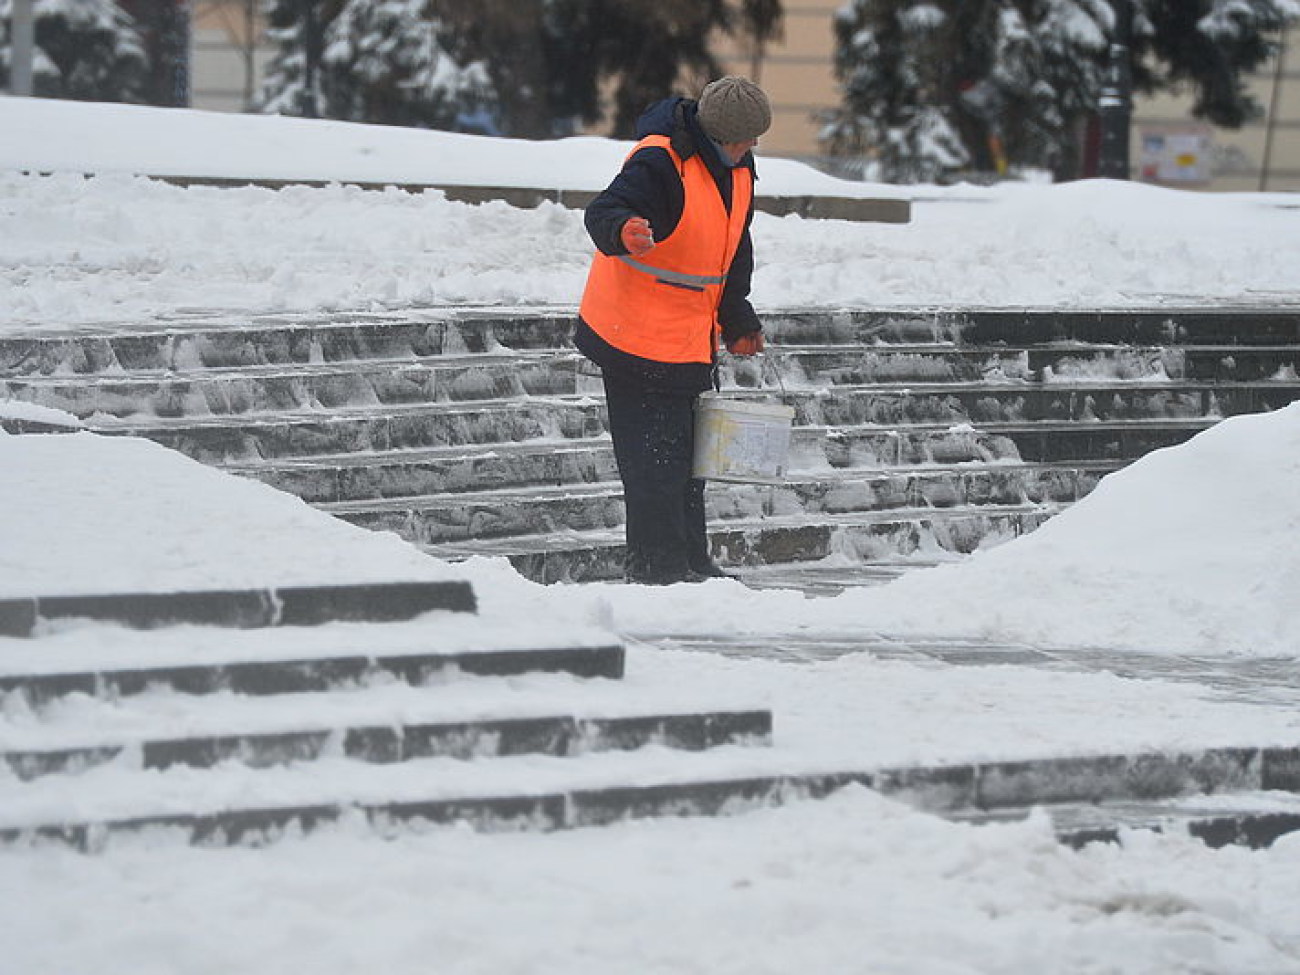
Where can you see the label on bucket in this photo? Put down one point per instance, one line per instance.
(738, 441)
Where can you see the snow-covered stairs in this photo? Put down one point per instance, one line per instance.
(483, 432)
(236, 733)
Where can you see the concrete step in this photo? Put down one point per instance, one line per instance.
(332, 662)
(260, 340)
(235, 439)
(268, 389)
(300, 340)
(433, 519)
(912, 372)
(236, 805)
(1246, 794)
(1012, 402)
(284, 606)
(885, 412)
(401, 740)
(938, 362)
(1033, 326)
(879, 537)
(1254, 820)
(1234, 326)
(583, 460)
(402, 473)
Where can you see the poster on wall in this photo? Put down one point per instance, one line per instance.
(1179, 156)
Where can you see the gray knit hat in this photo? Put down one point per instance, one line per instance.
(734, 109)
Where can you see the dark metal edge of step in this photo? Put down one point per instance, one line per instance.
(1140, 776)
(558, 735)
(603, 806)
(1255, 830)
(544, 811)
(287, 676)
(244, 609)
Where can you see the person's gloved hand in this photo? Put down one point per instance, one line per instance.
(637, 236)
(751, 344)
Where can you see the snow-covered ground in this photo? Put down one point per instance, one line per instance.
(1190, 551)
(120, 248)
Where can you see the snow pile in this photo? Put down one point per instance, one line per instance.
(1189, 550)
(89, 514)
(853, 884)
(15, 409)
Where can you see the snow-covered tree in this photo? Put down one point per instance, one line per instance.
(1210, 45)
(893, 64)
(89, 50)
(386, 61)
(931, 87)
(641, 50)
(527, 68)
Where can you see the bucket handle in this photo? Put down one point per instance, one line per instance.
(769, 363)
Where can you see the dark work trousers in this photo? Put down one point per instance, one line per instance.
(653, 429)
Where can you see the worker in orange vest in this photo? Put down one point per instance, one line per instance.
(669, 283)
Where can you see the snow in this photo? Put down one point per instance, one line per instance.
(11, 409)
(185, 526)
(117, 248)
(854, 884)
(1187, 554)
(43, 135)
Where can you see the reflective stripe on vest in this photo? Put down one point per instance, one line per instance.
(663, 305)
(696, 281)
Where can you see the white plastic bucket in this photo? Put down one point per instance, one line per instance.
(737, 440)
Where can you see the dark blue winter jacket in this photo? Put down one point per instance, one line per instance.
(649, 186)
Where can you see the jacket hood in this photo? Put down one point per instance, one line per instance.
(676, 119)
(662, 117)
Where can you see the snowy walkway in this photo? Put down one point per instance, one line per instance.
(1268, 682)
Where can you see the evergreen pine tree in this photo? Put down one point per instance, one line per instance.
(761, 21)
(645, 50)
(1000, 83)
(88, 50)
(1210, 45)
(383, 61)
(895, 62)
(540, 68)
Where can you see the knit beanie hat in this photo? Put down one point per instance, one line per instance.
(734, 109)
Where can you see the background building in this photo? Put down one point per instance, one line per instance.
(230, 51)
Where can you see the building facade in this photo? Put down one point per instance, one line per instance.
(229, 51)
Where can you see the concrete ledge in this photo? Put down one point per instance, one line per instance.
(860, 209)
(244, 609)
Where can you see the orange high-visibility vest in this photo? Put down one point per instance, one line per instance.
(663, 305)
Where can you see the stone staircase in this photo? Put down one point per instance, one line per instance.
(232, 736)
(480, 432)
